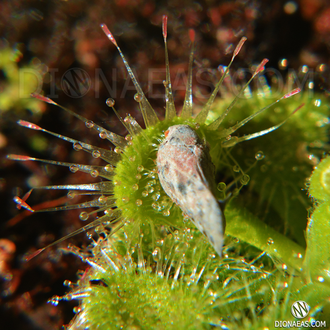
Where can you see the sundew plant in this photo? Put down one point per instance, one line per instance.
(150, 267)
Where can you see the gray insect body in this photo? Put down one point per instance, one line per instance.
(186, 174)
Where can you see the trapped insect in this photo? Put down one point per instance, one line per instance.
(186, 173)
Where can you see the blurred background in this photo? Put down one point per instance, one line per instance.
(47, 46)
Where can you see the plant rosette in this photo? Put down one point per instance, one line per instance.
(150, 266)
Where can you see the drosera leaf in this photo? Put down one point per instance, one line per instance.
(319, 186)
(278, 181)
(317, 260)
(243, 225)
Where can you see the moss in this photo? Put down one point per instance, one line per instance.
(19, 82)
